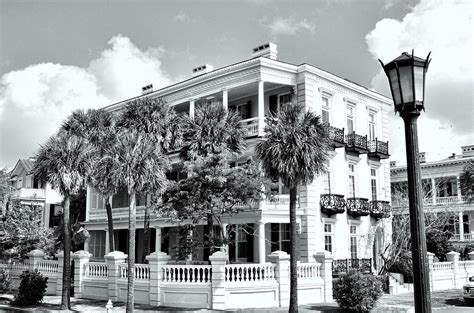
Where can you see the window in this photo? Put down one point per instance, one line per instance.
(373, 183)
(243, 110)
(325, 109)
(327, 179)
(328, 237)
(241, 242)
(283, 99)
(372, 125)
(351, 187)
(353, 239)
(350, 118)
(276, 101)
(97, 243)
(280, 237)
(176, 175)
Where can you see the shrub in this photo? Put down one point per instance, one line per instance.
(5, 280)
(357, 292)
(32, 288)
(403, 265)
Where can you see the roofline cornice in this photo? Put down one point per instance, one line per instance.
(435, 164)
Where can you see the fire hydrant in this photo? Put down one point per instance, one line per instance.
(109, 306)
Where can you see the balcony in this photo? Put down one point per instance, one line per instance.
(250, 127)
(429, 201)
(30, 194)
(378, 149)
(358, 206)
(117, 213)
(356, 143)
(332, 204)
(336, 135)
(379, 209)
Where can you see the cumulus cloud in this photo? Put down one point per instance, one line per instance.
(445, 29)
(182, 17)
(35, 100)
(289, 26)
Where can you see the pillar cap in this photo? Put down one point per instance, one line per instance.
(35, 253)
(81, 254)
(115, 255)
(323, 254)
(218, 256)
(453, 253)
(158, 256)
(279, 255)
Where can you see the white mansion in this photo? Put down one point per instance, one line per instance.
(346, 212)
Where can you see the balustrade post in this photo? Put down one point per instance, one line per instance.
(282, 274)
(454, 257)
(326, 258)
(431, 268)
(80, 259)
(156, 260)
(34, 257)
(59, 279)
(113, 260)
(471, 255)
(218, 260)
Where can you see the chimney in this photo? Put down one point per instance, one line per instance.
(393, 163)
(147, 89)
(268, 50)
(453, 156)
(422, 157)
(467, 151)
(203, 69)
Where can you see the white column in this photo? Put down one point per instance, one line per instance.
(458, 183)
(261, 242)
(107, 245)
(261, 108)
(191, 108)
(158, 239)
(47, 211)
(190, 256)
(88, 202)
(433, 189)
(225, 104)
(461, 227)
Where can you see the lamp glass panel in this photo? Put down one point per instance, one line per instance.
(394, 85)
(406, 82)
(419, 73)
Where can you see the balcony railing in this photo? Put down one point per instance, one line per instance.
(356, 143)
(250, 127)
(30, 194)
(336, 135)
(358, 206)
(453, 200)
(345, 265)
(117, 213)
(378, 149)
(332, 204)
(379, 209)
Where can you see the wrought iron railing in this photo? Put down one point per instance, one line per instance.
(380, 209)
(357, 206)
(377, 146)
(345, 265)
(357, 141)
(336, 134)
(332, 203)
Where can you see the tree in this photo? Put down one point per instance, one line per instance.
(64, 162)
(22, 231)
(138, 163)
(212, 140)
(158, 122)
(98, 128)
(6, 190)
(467, 181)
(294, 149)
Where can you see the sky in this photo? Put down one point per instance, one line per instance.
(58, 56)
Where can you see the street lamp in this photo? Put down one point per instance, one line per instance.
(406, 75)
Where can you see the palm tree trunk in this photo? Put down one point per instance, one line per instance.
(293, 274)
(210, 232)
(146, 232)
(110, 223)
(132, 216)
(66, 297)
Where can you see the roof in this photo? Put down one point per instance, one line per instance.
(26, 164)
(258, 61)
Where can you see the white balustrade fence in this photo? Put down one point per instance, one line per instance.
(308, 270)
(48, 266)
(97, 270)
(442, 266)
(240, 273)
(187, 273)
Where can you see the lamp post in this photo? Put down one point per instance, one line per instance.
(406, 75)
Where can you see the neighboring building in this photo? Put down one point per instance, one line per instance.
(32, 191)
(441, 181)
(344, 212)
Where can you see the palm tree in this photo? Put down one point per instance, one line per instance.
(64, 162)
(136, 162)
(212, 131)
(98, 128)
(158, 122)
(294, 150)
